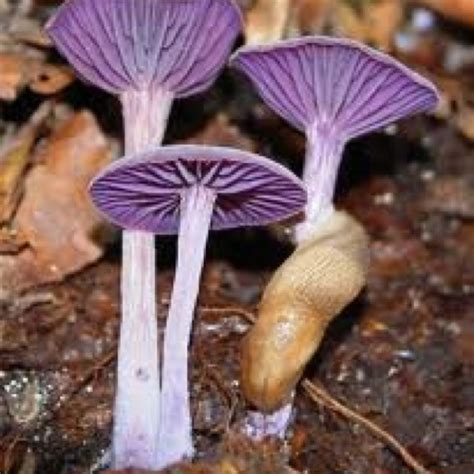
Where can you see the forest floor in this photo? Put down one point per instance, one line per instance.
(402, 355)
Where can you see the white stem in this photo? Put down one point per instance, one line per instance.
(137, 411)
(175, 433)
(145, 118)
(137, 399)
(323, 157)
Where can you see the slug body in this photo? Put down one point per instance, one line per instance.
(322, 276)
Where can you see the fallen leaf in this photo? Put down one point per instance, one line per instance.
(371, 22)
(12, 75)
(56, 215)
(266, 21)
(50, 79)
(14, 158)
(10, 241)
(308, 17)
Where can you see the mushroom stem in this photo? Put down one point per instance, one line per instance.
(259, 425)
(175, 439)
(323, 157)
(145, 116)
(137, 400)
(137, 407)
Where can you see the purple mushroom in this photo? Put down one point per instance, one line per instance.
(147, 52)
(189, 190)
(333, 90)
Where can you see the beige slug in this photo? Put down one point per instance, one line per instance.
(323, 275)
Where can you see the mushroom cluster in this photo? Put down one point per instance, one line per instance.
(149, 52)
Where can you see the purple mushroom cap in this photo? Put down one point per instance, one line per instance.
(143, 192)
(175, 45)
(334, 83)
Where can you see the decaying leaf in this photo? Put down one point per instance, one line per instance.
(56, 216)
(308, 17)
(266, 21)
(12, 75)
(373, 22)
(14, 158)
(10, 241)
(370, 21)
(18, 70)
(50, 79)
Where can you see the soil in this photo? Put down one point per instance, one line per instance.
(401, 355)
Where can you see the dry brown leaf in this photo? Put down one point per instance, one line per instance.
(56, 215)
(13, 72)
(18, 70)
(308, 16)
(266, 21)
(373, 22)
(10, 241)
(14, 159)
(50, 79)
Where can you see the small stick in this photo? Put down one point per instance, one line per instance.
(248, 315)
(320, 395)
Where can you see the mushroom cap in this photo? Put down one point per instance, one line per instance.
(336, 84)
(143, 191)
(118, 45)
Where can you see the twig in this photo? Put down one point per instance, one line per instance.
(321, 396)
(248, 315)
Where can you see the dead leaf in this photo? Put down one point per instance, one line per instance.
(56, 215)
(266, 21)
(372, 22)
(19, 70)
(10, 241)
(50, 79)
(12, 75)
(308, 17)
(14, 158)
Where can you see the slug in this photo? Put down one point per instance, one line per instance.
(322, 276)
